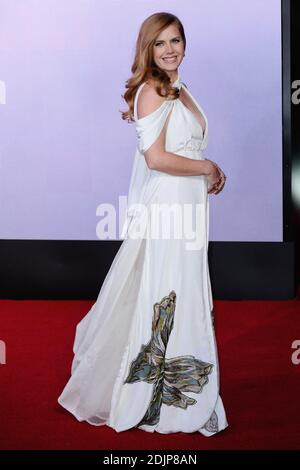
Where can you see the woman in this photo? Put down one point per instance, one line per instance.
(145, 354)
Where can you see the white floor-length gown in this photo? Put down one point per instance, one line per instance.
(145, 355)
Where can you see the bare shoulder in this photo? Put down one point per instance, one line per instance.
(148, 101)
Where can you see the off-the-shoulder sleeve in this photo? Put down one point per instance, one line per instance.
(149, 127)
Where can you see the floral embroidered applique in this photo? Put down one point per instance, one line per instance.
(212, 423)
(170, 377)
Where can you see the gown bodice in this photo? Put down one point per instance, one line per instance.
(184, 136)
(184, 132)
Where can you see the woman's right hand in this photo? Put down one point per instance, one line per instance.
(215, 177)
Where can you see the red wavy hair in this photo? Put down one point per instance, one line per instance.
(144, 67)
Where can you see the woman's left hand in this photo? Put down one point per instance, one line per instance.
(217, 187)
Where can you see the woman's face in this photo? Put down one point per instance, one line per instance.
(168, 49)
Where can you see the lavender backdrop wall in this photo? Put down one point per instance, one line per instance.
(64, 148)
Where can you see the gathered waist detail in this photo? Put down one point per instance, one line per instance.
(191, 144)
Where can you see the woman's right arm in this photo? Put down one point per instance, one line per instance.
(168, 162)
(157, 158)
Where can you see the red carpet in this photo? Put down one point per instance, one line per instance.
(260, 386)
